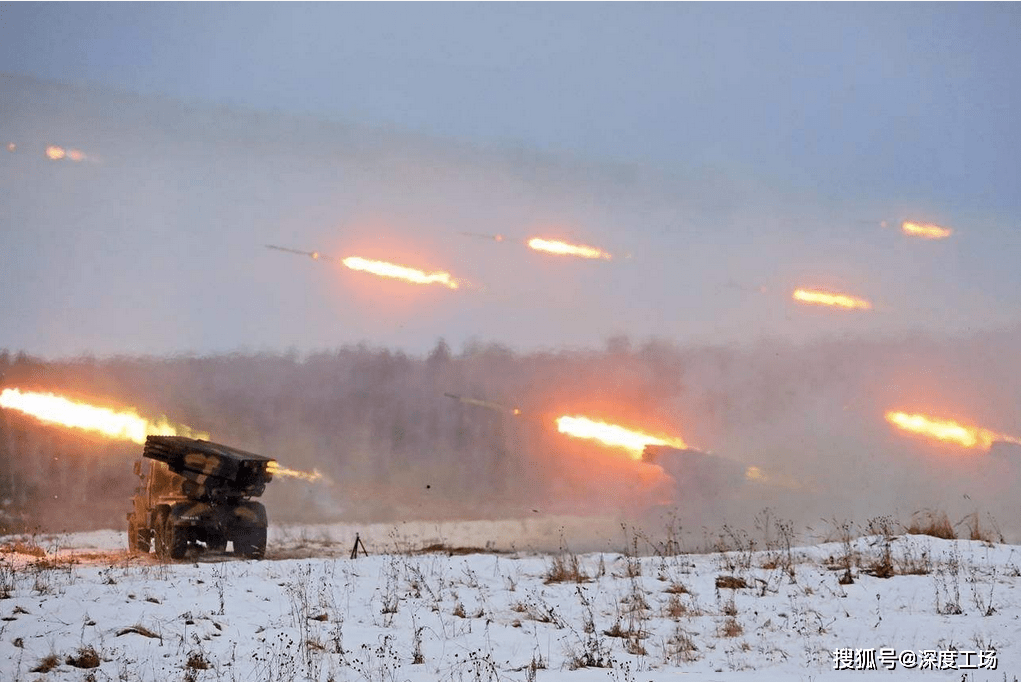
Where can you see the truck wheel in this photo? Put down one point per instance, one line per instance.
(251, 543)
(160, 533)
(216, 542)
(138, 538)
(177, 540)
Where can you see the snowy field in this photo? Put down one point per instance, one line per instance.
(77, 607)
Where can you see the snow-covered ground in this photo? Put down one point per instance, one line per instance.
(775, 614)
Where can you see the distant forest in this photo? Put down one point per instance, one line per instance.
(377, 424)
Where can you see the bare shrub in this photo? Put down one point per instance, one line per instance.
(674, 607)
(932, 522)
(197, 661)
(7, 575)
(679, 648)
(946, 582)
(882, 567)
(913, 561)
(882, 525)
(976, 531)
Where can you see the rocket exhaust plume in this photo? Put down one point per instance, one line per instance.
(57, 153)
(121, 425)
(925, 230)
(947, 430)
(613, 435)
(283, 472)
(831, 299)
(560, 248)
(401, 272)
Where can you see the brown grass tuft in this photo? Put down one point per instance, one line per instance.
(934, 523)
(731, 628)
(730, 582)
(46, 664)
(566, 568)
(86, 657)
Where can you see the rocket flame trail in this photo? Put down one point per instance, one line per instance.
(122, 425)
(564, 249)
(947, 431)
(401, 272)
(834, 300)
(55, 153)
(925, 230)
(311, 476)
(613, 435)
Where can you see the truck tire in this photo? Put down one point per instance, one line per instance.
(177, 540)
(216, 542)
(250, 543)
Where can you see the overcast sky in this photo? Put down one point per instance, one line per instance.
(728, 148)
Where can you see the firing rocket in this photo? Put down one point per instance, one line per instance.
(488, 404)
(479, 235)
(314, 255)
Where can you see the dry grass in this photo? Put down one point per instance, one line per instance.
(934, 523)
(197, 661)
(674, 607)
(442, 548)
(680, 648)
(85, 657)
(30, 548)
(138, 630)
(676, 588)
(731, 628)
(730, 582)
(46, 664)
(566, 568)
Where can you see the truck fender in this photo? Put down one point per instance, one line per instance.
(251, 513)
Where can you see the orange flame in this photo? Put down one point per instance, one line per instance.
(384, 269)
(613, 435)
(925, 230)
(311, 476)
(122, 425)
(76, 155)
(55, 153)
(560, 248)
(827, 298)
(11, 147)
(947, 430)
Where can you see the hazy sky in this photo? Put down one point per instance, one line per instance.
(726, 147)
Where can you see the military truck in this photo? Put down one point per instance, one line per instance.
(197, 495)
